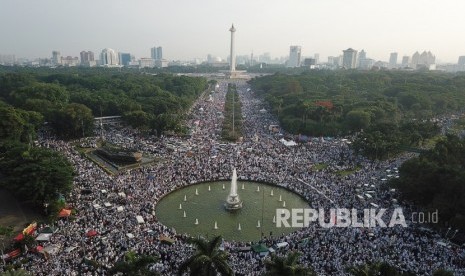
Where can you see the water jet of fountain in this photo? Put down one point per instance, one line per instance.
(196, 191)
(242, 186)
(216, 225)
(196, 222)
(258, 224)
(233, 201)
(274, 219)
(258, 188)
(284, 203)
(223, 186)
(209, 189)
(280, 198)
(184, 214)
(185, 198)
(180, 206)
(239, 227)
(271, 194)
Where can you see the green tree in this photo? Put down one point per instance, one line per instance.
(358, 119)
(75, 120)
(17, 272)
(374, 269)
(443, 272)
(287, 265)
(134, 265)
(208, 259)
(35, 174)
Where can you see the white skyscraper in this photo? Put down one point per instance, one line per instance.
(56, 58)
(295, 54)
(393, 60)
(349, 59)
(108, 57)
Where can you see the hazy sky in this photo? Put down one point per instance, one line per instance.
(189, 29)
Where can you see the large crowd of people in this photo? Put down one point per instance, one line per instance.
(114, 201)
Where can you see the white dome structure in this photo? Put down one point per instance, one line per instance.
(108, 57)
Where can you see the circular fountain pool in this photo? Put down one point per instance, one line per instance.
(195, 209)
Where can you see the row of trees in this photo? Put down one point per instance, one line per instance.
(385, 140)
(70, 101)
(232, 124)
(435, 180)
(339, 102)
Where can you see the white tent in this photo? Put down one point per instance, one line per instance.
(44, 237)
(140, 219)
(288, 143)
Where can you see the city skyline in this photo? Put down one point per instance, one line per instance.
(189, 30)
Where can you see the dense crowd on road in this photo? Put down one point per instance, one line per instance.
(114, 201)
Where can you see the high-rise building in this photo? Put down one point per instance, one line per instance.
(361, 57)
(69, 61)
(146, 63)
(56, 58)
(393, 60)
(461, 63)
(7, 59)
(295, 53)
(366, 63)
(124, 58)
(405, 61)
(415, 59)
(349, 58)
(108, 57)
(156, 53)
(424, 60)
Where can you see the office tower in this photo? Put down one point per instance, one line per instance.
(366, 63)
(159, 53)
(124, 58)
(415, 59)
(405, 61)
(349, 58)
(87, 56)
(69, 61)
(393, 60)
(317, 58)
(7, 59)
(461, 63)
(56, 58)
(295, 53)
(361, 57)
(146, 63)
(108, 57)
(310, 62)
(156, 53)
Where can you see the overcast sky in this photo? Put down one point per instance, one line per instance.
(188, 29)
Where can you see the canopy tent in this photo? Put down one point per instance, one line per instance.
(44, 237)
(91, 233)
(19, 237)
(140, 219)
(48, 230)
(288, 143)
(259, 247)
(64, 213)
(165, 239)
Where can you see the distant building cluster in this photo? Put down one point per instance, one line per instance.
(350, 59)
